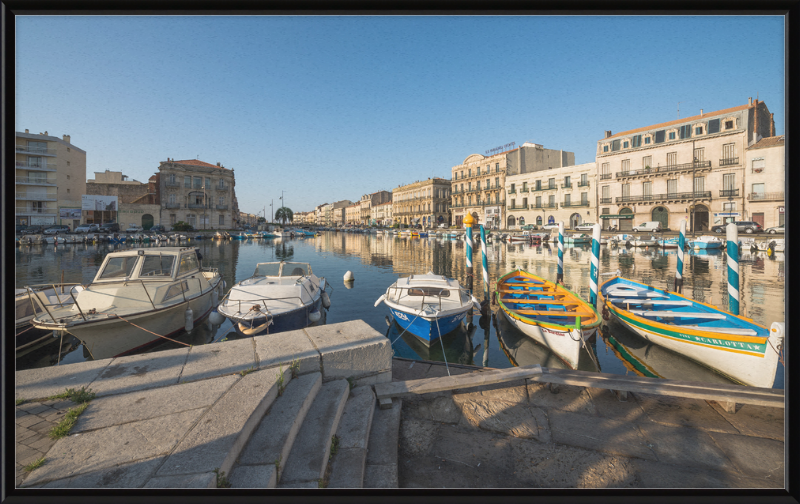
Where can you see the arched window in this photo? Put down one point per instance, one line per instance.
(511, 221)
(539, 220)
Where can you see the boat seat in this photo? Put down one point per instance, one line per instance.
(671, 314)
(544, 301)
(632, 292)
(554, 313)
(655, 301)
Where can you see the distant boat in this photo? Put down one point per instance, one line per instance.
(706, 242)
(645, 242)
(578, 239)
(668, 243)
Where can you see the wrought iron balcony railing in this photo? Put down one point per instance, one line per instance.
(729, 161)
(770, 196)
(664, 197)
(727, 193)
(699, 165)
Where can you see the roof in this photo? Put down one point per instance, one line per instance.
(197, 162)
(775, 141)
(684, 120)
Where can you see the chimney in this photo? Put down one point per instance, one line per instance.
(45, 132)
(701, 112)
(218, 164)
(750, 100)
(26, 130)
(66, 138)
(771, 125)
(608, 134)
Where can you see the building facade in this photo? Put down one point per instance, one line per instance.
(339, 217)
(425, 202)
(765, 182)
(138, 202)
(550, 196)
(692, 168)
(50, 178)
(198, 193)
(479, 183)
(368, 201)
(352, 214)
(381, 214)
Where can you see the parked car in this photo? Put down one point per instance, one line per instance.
(34, 229)
(58, 228)
(133, 228)
(550, 226)
(20, 229)
(109, 227)
(87, 228)
(743, 227)
(648, 226)
(528, 227)
(158, 228)
(586, 226)
(777, 229)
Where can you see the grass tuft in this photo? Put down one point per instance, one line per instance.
(247, 371)
(33, 465)
(295, 367)
(83, 395)
(281, 386)
(222, 481)
(352, 382)
(62, 428)
(19, 401)
(334, 446)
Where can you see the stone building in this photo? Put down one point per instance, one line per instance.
(688, 168)
(139, 202)
(381, 214)
(479, 183)
(339, 212)
(50, 178)
(425, 202)
(566, 194)
(352, 214)
(765, 182)
(370, 200)
(199, 193)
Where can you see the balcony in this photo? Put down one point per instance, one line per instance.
(544, 188)
(770, 196)
(566, 186)
(664, 197)
(728, 193)
(31, 196)
(35, 211)
(605, 176)
(172, 205)
(22, 165)
(512, 191)
(729, 161)
(544, 205)
(605, 200)
(524, 189)
(172, 184)
(700, 165)
(573, 204)
(197, 205)
(582, 184)
(223, 188)
(222, 207)
(518, 207)
(37, 151)
(41, 181)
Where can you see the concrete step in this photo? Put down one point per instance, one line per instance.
(308, 458)
(381, 464)
(264, 457)
(347, 466)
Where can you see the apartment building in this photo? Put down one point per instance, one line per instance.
(339, 217)
(765, 182)
(549, 196)
(198, 193)
(691, 168)
(50, 178)
(352, 214)
(479, 183)
(381, 214)
(138, 202)
(368, 201)
(425, 202)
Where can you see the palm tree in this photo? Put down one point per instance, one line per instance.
(284, 214)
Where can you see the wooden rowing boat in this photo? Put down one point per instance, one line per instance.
(734, 346)
(551, 314)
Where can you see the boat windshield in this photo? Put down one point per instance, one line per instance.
(159, 265)
(118, 267)
(267, 269)
(294, 269)
(428, 291)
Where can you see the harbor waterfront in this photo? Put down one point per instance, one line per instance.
(377, 260)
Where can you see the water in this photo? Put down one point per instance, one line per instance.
(376, 261)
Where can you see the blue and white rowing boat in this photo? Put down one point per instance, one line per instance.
(428, 306)
(706, 242)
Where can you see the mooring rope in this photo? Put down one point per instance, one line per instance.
(404, 330)
(151, 332)
(442, 344)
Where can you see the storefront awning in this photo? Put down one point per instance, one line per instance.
(618, 216)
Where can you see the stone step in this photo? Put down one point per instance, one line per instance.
(308, 458)
(381, 464)
(347, 466)
(263, 458)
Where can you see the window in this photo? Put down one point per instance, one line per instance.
(699, 184)
(159, 265)
(478, 185)
(552, 200)
(497, 167)
(477, 171)
(497, 198)
(672, 135)
(758, 165)
(222, 200)
(172, 219)
(567, 181)
(187, 181)
(524, 202)
(538, 202)
(469, 172)
(496, 182)
(659, 136)
(698, 130)
(604, 171)
(647, 161)
(119, 267)
(208, 183)
(728, 125)
(728, 181)
(729, 152)
(758, 189)
(469, 186)
(524, 186)
(513, 188)
(584, 179)
(672, 158)
(647, 140)
(176, 290)
(625, 145)
(605, 148)
(606, 192)
(567, 199)
(456, 176)
(626, 165)
(672, 186)
(637, 141)
(713, 126)
(171, 199)
(605, 211)
(552, 183)
(699, 155)
(647, 189)
(615, 145)
(584, 198)
(686, 131)
(538, 185)
(172, 178)
(626, 190)
(729, 207)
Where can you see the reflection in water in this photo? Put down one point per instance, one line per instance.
(377, 260)
(457, 345)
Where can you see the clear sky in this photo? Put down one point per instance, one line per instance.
(330, 108)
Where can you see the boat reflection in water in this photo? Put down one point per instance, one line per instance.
(524, 351)
(653, 361)
(457, 345)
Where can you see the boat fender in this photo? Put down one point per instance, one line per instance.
(252, 331)
(189, 316)
(380, 300)
(326, 300)
(314, 316)
(606, 315)
(216, 318)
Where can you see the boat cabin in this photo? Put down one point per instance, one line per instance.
(282, 269)
(162, 263)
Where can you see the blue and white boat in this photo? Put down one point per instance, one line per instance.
(668, 243)
(428, 306)
(706, 242)
(280, 296)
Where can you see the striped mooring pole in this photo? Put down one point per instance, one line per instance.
(560, 274)
(594, 270)
(485, 265)
(468, 220)
(681, 245)
(732, 248)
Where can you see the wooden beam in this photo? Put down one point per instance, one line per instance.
(469, 380)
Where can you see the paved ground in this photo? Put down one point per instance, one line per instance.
(523, 435)
(33, 421)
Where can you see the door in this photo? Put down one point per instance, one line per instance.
(700, 218)
(574, 220)
(626, 224)
(759, 217)
(147, 221)
(661, 215)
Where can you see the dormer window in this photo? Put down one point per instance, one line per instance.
(672, 135)
(605, 148)
(625, 144)
(728, 125)
(698, 130)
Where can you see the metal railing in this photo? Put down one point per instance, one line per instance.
(36, 150)
(605, 200)
(581, 184)
(223, 188)
(544, 205)
(566, 186)
(397, 291)
(726, 193)
(524, 189)
(36, 196)
(222, 207)
(198, 205)
(172, 184)
(518, 207)
(35, 181)
(770, 196)
(172, 205)
(38, 211)
(605, 176)
(664, 197)
(729, 161)
(22, 165)
(544, 188)
(575, 204)
(512, 191)
(666, 169)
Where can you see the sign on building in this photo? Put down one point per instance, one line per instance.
(69, 213)
(99, 203)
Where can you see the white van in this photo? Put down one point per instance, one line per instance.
(648, 226)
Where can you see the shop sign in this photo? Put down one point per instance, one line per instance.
(780, 209)
(69, 213)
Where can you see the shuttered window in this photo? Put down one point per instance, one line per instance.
(672, 186)
(729, 181)
(713, 126)
(647, 189)
(659, 136)
(637, 141)
(699, 155)
(626, 190)
(606, 192)
(584, 198)
(729, 151)
(567, 199)
(615, 145)
(626, 165)
(686, 131)
(672, 158)
(647, 161)
(699, 184)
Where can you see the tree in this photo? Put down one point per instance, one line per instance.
(262, 219)
(284, 214)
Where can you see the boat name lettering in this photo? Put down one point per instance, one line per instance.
(735, 344)
(401, 316)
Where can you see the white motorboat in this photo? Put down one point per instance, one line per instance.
(25, 334)
(162, 290)
(707, 242)
(280, 296)
(646, 242)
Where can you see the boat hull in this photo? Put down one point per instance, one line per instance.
(287, 321)
(564, 343)
(428, 329)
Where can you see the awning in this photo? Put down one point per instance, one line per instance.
(618, 216)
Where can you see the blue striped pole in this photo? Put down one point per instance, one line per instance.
(732, 247)
(681, 245)
(560, 274)
(595, 267)
(485, 265)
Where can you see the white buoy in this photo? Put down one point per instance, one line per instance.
(314, 316)
(189, 316)
(216, 318)
(326, 300)
(348, 277)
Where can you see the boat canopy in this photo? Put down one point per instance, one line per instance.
(282, 269)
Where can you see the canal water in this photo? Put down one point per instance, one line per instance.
(377, 261)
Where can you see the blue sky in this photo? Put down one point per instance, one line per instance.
(332, 107)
